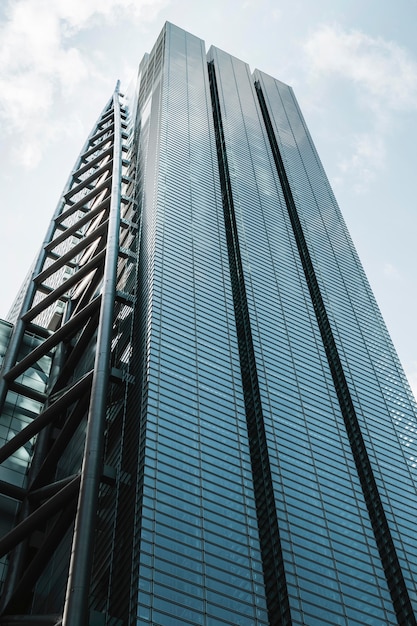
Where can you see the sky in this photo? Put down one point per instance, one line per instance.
(352, 64)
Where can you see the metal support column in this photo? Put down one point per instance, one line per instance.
(76, 602)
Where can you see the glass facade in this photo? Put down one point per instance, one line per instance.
(313, 471)
(255, 446)
(199, 550)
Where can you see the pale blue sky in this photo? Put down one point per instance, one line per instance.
(353, 66)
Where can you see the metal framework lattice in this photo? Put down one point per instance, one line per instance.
(72, 337)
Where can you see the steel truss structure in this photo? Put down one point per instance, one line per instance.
(73, 332)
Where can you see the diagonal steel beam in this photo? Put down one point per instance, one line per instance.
(65, 286)
(84, 168)
(48, 467)
(76, 352)
(71, 230)
(89, 180)
(101, 146)
(38, 517)
(100, 133)
(12, 491)
(80, 204)
(42, 493)
(68, 256)
(46, 417)
(27, 391)
(40, 560)
(65, 331)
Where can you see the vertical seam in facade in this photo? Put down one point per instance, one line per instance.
(272, 561)
(389, 558)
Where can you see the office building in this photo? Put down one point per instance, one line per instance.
(204, 419)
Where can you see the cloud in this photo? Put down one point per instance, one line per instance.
(382, 79)
(40, 62)
(367, 158)
(391, 272)
(381, 69)
(78, 13)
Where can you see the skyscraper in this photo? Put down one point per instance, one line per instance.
(204, 419)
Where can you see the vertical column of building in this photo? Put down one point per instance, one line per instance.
(110, 588)
(273, 567)
(319, 502)
(198, 546)
(365, 368)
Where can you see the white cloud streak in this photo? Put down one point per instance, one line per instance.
(384, 80)
(392, 273)
(382, 69)
(40, 62)
(368, 156)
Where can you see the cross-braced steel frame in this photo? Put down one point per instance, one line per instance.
(77, 304)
